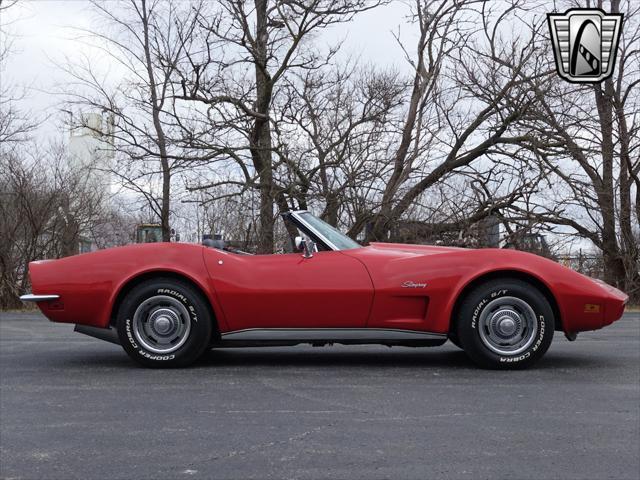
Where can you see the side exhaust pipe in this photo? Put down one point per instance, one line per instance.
(107, 334)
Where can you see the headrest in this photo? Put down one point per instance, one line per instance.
(218, 243)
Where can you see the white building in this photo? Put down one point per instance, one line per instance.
(91, 150)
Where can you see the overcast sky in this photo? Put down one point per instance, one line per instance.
(42, 33)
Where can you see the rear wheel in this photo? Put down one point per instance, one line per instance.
(164, 323)
(505, 324)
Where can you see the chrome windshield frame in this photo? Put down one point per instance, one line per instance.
(298, 218)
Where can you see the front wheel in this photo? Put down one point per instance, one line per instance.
(505, 324)
(164, 323)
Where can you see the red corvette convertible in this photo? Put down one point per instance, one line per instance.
(166, 303)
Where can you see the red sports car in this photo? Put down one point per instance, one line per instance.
(166, 303)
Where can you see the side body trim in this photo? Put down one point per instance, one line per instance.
(302, 335)
(30, 297)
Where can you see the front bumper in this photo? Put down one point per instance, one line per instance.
(614, 303)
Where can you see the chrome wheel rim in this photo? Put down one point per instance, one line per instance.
(508, 325)
(161, 324)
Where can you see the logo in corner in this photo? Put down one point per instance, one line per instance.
(585, 43)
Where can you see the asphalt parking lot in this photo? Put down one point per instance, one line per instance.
(74, 407)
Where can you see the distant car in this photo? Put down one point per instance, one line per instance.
(166, 303)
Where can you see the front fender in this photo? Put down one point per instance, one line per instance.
(582, 303)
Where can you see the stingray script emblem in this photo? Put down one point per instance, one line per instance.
(410, 284)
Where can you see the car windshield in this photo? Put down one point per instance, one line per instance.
(336, 237)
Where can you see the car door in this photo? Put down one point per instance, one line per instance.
(328, 290)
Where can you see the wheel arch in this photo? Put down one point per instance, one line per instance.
(507, 274)
(141, 277)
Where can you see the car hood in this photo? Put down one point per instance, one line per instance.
(414, 249)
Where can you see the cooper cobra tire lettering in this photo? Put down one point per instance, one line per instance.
(515, 359)
(535, 347)
(541, 334)
(144, 353)
(130, 333)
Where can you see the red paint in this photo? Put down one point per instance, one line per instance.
(350, 288)
(330, 289)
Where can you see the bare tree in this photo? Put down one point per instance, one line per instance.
(45, 208)
(143, 39)
(587, 138)
(267, 40)
(15, 124)
(462, 108)
(331, 137)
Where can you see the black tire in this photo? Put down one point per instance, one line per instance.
(164, 323)
(505, 324)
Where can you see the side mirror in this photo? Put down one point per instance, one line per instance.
(307, 246)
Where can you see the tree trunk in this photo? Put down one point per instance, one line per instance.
(166, 199)
(332, 208)
(261, 132)
(614, 269)
(382, 221)
(292, 231)
(629, 243)
(156, 108)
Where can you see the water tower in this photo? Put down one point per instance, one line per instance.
(91, 150)
(91, 154)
